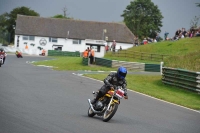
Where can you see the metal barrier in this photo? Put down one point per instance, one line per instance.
(181, 78)
(85, 61)
(129, 65)
(139, 55)
(63, 53)
(103, 62)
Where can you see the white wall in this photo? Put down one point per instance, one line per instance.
(123, 45)
(67, 45)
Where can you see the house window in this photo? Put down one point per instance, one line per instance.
(96, 48)
(76, 41)
(53, 39)
(25, 37)
(31, 38)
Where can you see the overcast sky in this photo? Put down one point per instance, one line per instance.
(177, 13)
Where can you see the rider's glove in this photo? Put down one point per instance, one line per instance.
(125, 96)
(112, 88)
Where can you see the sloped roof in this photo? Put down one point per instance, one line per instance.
(77, 29)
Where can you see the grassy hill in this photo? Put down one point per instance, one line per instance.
(184, 53)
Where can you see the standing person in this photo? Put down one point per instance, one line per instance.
(120, 48)
(165, 35)
(43, 52)
(85, 54)
(136, 41)
(107, 48)
(111, 82)
(92, 54)
(113, 45)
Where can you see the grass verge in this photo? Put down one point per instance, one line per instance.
(71, 63)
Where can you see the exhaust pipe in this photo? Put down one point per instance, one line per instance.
(97, 112)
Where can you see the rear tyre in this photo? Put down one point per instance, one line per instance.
(90, 112)
(109, 114)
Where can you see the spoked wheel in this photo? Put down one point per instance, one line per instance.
(108, 114)
(90, 112)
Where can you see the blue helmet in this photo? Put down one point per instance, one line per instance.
(121, 72)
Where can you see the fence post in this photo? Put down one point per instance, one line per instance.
(161, 66)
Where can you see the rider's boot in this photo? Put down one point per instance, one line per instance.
(96, 98)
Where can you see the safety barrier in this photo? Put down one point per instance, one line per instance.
(181, 78)
(103, 62)
(85, 61)
(129, 65)
(63, 53)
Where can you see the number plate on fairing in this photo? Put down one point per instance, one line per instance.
(120, 93)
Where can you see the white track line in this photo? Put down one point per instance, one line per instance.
(143, 94)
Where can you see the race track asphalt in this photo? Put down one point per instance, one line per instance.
(40, 100)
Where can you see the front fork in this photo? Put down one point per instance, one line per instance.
(109, 103)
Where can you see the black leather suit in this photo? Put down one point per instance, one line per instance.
(112, 80)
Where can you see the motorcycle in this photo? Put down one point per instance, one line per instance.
(107, 105)
(1, 60)
(19, 55)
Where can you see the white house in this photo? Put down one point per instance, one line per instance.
(33, 33)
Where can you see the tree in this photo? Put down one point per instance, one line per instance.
(194, 22)
(143, 18)
(61, 16)
(12, 16)
(3, 31)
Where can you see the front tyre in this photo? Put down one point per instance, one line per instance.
(90, 112)
(110, 113)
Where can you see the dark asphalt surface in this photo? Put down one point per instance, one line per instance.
(39, 100)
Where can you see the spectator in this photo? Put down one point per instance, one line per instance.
(120, 48)
(184, 33)
(157, 38)
(85, 53)
(43, 52)
(178, 32)
(165, 35)
(197, 33)
(191, 34)
(107, 48)
(136, 41)
(113, 45)
(154, 40)
(92, 54)
(145, 41)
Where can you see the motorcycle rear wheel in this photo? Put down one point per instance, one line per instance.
(109, 114)
(90, 112)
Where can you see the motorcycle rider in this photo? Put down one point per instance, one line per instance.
(111, 81)
(2, 52)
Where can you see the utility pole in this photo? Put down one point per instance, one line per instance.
(65, 10)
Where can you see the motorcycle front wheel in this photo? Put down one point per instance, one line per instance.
(110, 113)
(90, 112)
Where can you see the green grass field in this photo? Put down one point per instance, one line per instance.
(153, 86)
(185, 54)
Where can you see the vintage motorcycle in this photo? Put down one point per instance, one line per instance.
(1, 59)
(107, 105)
(19, 55)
